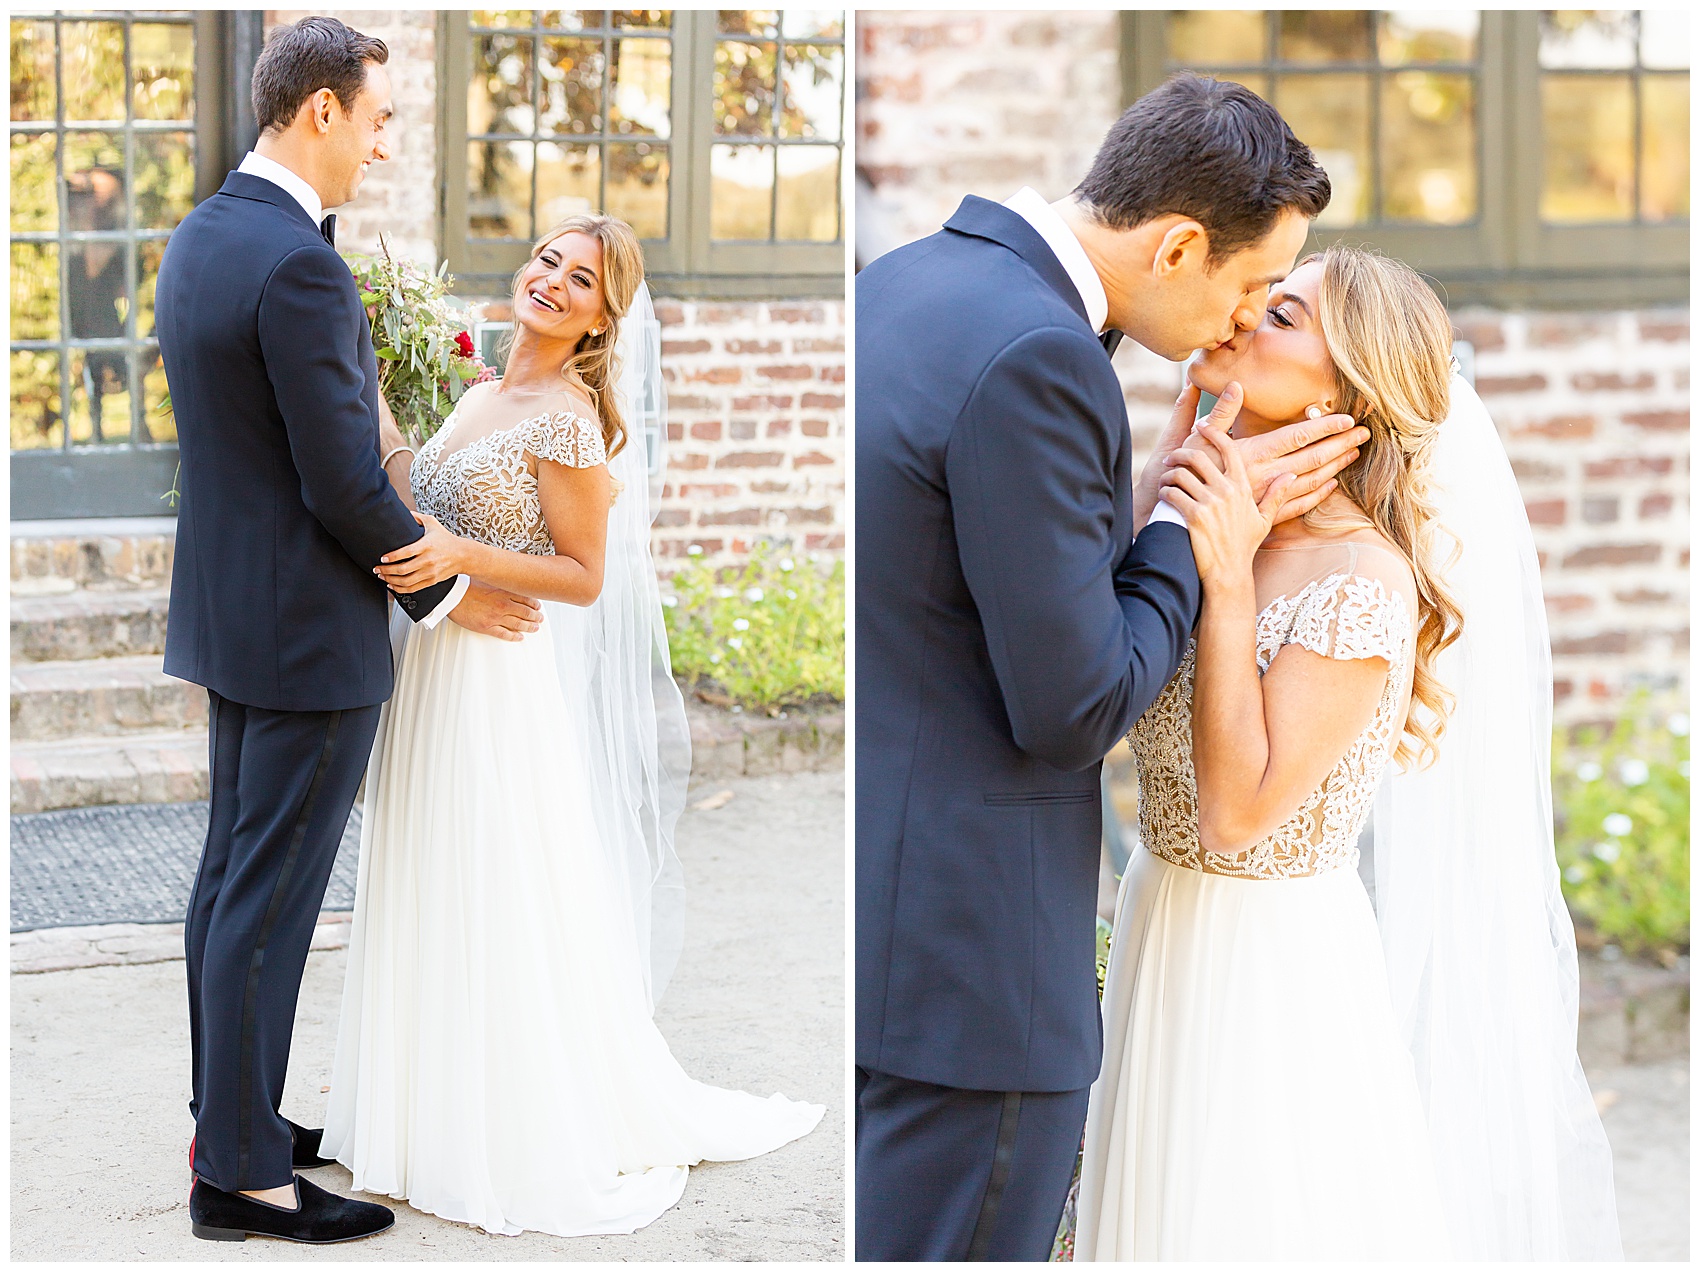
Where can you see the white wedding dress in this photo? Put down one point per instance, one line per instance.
(496, 1062)
(1257, 1100)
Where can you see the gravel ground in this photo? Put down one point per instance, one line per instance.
(100, 1125)
(1645, 1111)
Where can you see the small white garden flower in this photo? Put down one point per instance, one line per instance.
(1588, 771)
(1606, 851)
(787, 564)
(724, 593)
(1632, 772)
(790, 594)
(754, 594)
(714, 657)
(694, 550)
(1576, 873)
(1679, 725)
(740, 624)
(1618, 824)
(669, 601)
(734, 642)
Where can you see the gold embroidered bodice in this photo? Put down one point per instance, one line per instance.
(1348, 613)
(486, 491)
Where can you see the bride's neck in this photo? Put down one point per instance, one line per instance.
(534, 365)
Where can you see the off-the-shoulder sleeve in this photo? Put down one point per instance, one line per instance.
(1351, 616)
(567, 438)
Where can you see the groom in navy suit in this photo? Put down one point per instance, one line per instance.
(286, 508)
(1019, 603)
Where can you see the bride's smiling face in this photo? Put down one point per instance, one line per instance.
(559, 296)
(1282, 364)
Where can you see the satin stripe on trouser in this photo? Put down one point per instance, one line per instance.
(945, 1174)
(282, 786)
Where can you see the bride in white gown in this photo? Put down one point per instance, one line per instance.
(517, 907)
(1292, 1071)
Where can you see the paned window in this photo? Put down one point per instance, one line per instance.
(567, 112)
(778, 126)
(1515, 156)
(717, 134)
(116, 133)
(105, 163)
(1614, 116)
(1387, 101)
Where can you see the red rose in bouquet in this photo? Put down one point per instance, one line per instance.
(464, 343)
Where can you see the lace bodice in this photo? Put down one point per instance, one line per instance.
(1342, 615)
(485, 490)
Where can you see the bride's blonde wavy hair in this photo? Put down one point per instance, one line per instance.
(1390, 343)
(592, 358)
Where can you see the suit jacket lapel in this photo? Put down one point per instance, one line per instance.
(981, 218)
(245, 185)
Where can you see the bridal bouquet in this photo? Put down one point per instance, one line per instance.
(426, 358)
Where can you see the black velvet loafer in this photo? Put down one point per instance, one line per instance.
(304, 1150)
(319, 1218)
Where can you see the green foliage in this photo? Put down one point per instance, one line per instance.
(422, 370)
(768, 633)
(1620, 803)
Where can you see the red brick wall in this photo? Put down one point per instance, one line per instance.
(755, 423)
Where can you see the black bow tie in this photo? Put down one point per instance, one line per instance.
(1110, 339)
(327, 227)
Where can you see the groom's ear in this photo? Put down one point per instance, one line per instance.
(1184, 248)
(322, 109)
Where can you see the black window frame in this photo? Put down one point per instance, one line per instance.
(688, 263)
(127, 478)
(1506, 256)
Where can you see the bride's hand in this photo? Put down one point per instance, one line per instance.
(1214, 493)
(1174, 435)
(435, 556)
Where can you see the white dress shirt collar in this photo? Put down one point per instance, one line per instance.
(1030, 205)
(271, 170)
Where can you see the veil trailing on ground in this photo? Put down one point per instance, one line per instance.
(1481, 954)
(617, 676)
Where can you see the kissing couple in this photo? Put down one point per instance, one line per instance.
(519, 904)
(1339, 1020)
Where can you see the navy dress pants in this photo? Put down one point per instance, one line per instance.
(945, 1174)
(282, 786)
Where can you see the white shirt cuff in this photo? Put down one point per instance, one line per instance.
(462, 582)
(1166, 512)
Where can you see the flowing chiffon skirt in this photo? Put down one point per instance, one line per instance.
(496, 1063)
(1255, 1101)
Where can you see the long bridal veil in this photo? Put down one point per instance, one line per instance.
(1481, 954)
(617, 677)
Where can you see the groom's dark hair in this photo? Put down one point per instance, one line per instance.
(304, 57)
(1208, 149)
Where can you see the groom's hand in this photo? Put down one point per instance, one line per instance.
(490, 611)
(1173, 436)
(1311, 451)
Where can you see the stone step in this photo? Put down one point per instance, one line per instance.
(86, 624)
(143, 768)
(101, 697)
(1632, 1012)
(109, 554)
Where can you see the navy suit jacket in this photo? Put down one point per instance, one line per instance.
(284, 507)
(1008, 632)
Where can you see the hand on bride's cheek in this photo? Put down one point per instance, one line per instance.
(1282, 364)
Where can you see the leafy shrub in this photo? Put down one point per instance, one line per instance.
(1620, 803)
(768, 633)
